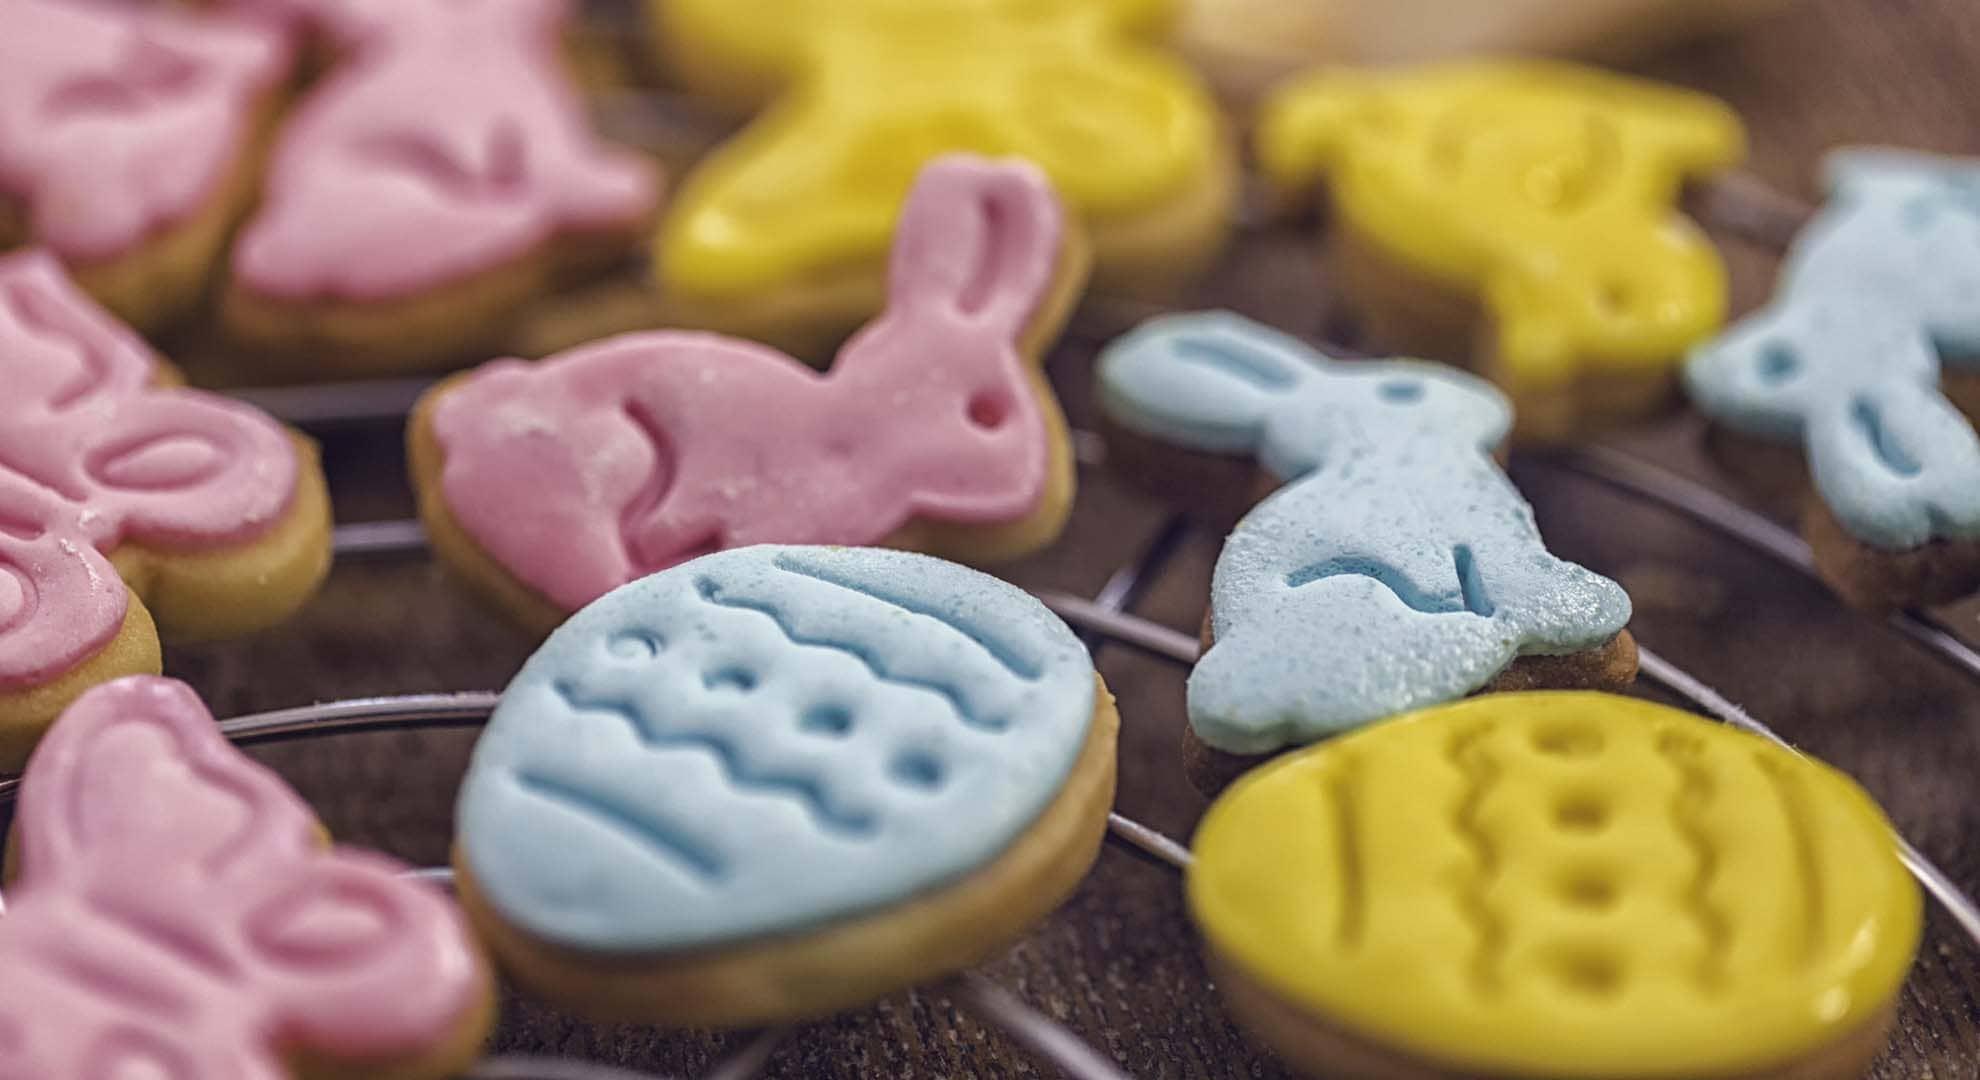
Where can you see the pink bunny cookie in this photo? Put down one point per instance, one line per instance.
(176, 915)
(437, 178)
(554, 483)
(130, 141)
(120, 492)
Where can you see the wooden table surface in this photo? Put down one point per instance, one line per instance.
(1119, 964)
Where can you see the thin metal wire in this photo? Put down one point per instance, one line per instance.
(1032, 1030)
(1149, 841)
(1121, 628)
(1721, 514)
(1935, 881)
(377, 539)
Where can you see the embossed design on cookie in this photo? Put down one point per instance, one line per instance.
(587, 470)
(1878, 295)
(767, 739)
(816, 183)
(94, 457)
(447, 143)
(1548, 192)
(118, 123)
(1398, 568)
(177, 914)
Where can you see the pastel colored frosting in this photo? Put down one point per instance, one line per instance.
(177, 914)
(449, 143)
(1546, 191)
(1876, 296)
(94, 456)
(1569, 885)
(119, 122)
(617, 459)
(766, 740)
(815, 184)
(1399, 568)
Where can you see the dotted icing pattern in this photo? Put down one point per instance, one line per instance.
(92, 457)
(1545, 190)
(817, 181)
(448, 143)
(117, 123)
(177, 916)
(645, 450)
(1877, 294)
(766, 740)
(1573, 885)
(1398, 569)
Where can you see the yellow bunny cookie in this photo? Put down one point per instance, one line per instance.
(781, 234)
(1561, 885)
(1520, 214)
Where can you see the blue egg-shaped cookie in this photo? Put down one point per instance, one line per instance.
(768, 746)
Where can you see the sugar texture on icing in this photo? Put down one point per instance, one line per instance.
(1878, 293)
(92, 456)
(769, 739)
(448, 143)
(177, 916)
(118, 122)
(1548, 191)
(587, 470)
(816, 183)
(1398, 568)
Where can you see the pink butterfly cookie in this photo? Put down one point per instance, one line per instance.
(176, 916)
(129, 141)
(551, 484)
(113, 483)
(441, 175)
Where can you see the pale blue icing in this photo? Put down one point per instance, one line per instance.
(1878, 291)
(1399, 569)
(768, 739)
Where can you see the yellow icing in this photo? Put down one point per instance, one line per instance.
(1561, 884)
(814, 184)
(1546, 191)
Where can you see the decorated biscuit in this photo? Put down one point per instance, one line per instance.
(1398, 567)
(176, 913)
(1519, 215)
(551, 484)
(438, 176)
(780, 781)
(781, 235)
(1875, 297)
(123, 498)
(129, 142)
(1563, 885)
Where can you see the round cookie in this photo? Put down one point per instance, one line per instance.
(173, 910)
(125, 499)
(1562, 885)
(781, 781)
(549, 484)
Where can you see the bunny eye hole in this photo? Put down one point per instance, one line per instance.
(1400, 391)
(989, 409)
(1779, 362)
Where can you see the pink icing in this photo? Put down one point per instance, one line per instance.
(92, 457)
(623, 457)
(117, 122)
(449, 142)
(177, 918)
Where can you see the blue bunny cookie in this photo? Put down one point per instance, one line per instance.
(1879, 299)
(775, 782)
(1397, 567)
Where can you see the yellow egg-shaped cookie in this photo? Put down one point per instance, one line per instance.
(1561, 885)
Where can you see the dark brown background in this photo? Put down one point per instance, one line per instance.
(1119, 964)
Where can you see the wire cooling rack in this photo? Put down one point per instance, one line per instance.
(1102, 620)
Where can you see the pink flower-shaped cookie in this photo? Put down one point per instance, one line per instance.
(177, 916)
(619, 459)
(96, 460)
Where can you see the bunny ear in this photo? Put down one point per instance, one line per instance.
(57, 347)
(1205, 382)
(360, 965)
(135, 781)
(980, 240)
(1898, 464)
